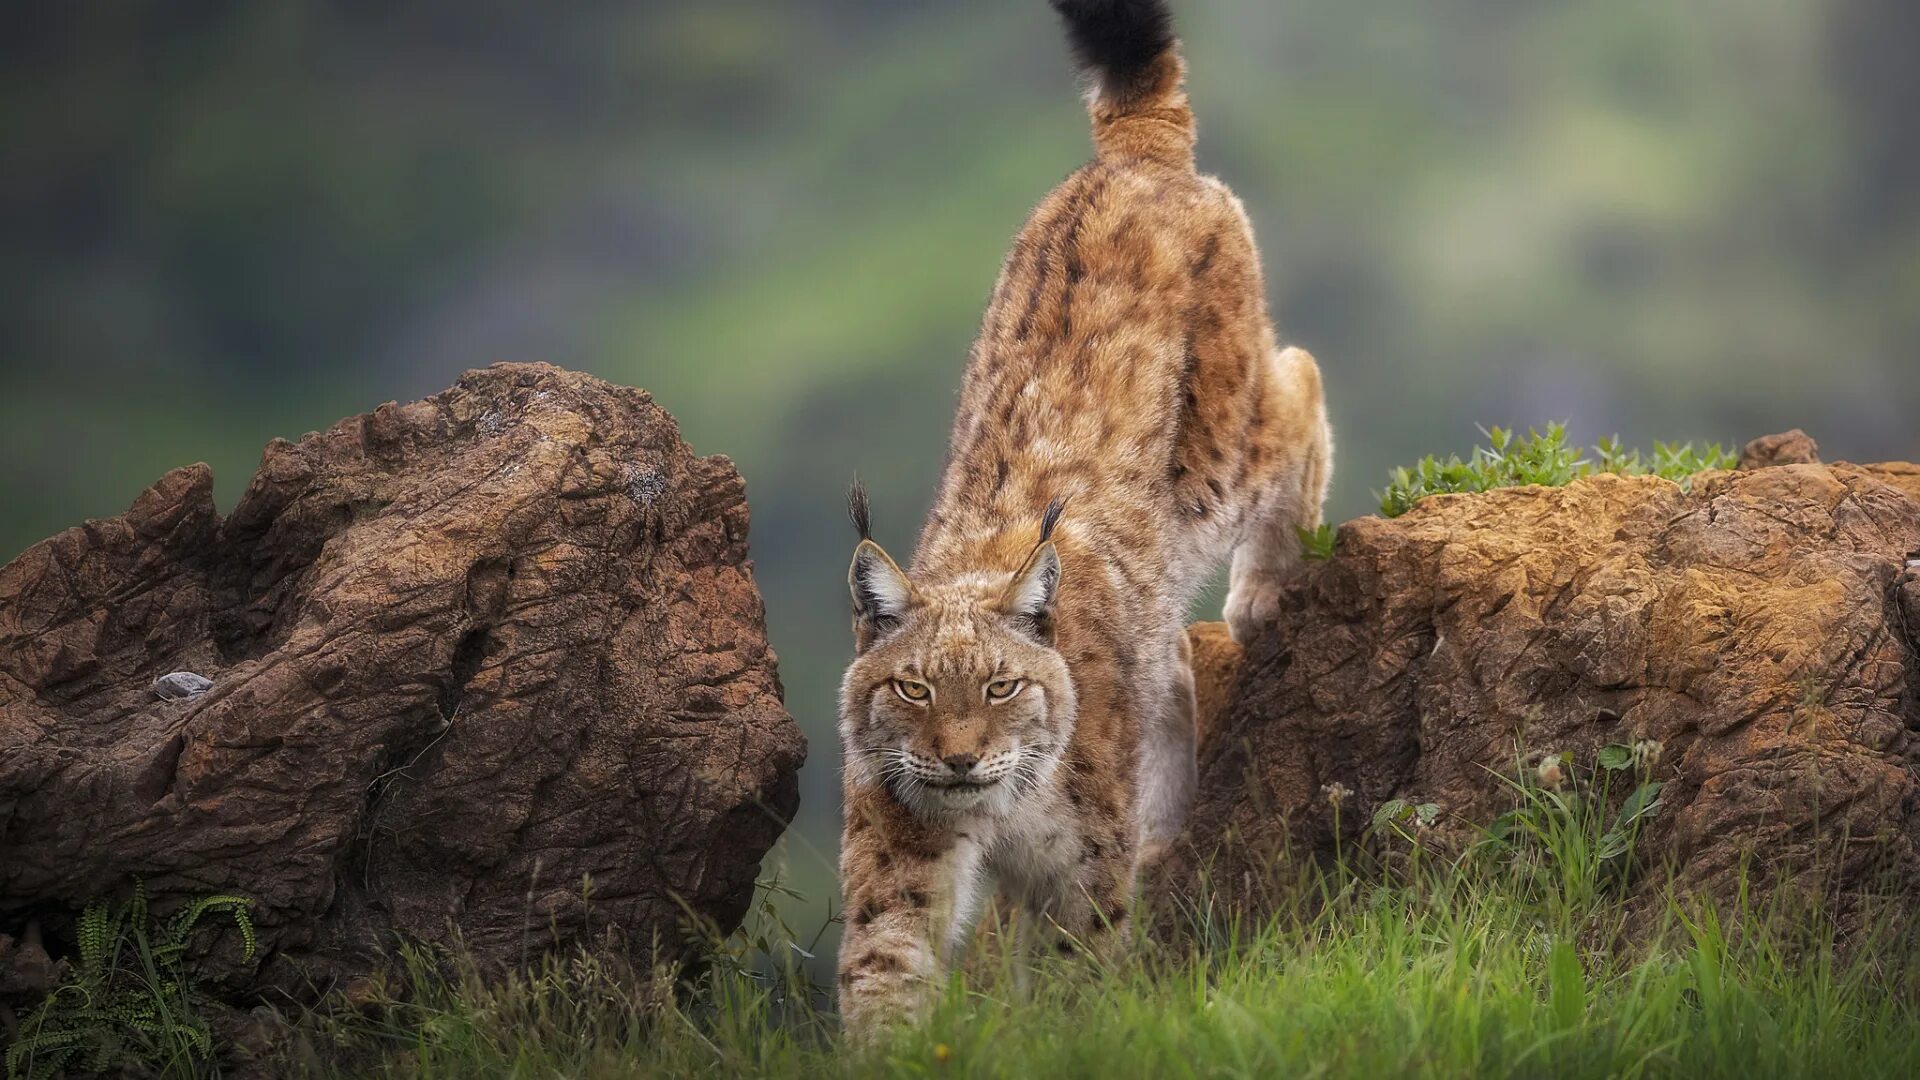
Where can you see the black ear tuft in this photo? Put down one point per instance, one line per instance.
(1051, 518)
(858, 511)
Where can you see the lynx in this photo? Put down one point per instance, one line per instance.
(1019, 714)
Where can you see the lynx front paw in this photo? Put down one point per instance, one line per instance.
(880, 994)
(1252, 604)
(866, 1021)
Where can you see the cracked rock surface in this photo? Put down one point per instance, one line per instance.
(465, 655)
(1761, 628)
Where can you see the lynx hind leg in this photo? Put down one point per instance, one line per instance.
(1169, 771)
(1289, 496)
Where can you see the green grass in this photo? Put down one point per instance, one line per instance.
(1543, 458)
(1506, 951)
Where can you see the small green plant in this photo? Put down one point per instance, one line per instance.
(1565, 840)
(1397, 814)
(130, 998)
(1544, 458)
(1317, 543)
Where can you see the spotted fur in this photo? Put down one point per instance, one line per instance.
(1126, 379)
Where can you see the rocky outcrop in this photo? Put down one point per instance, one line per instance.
(1757, 632)
(490, 666)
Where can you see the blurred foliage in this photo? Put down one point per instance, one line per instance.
(232, 220)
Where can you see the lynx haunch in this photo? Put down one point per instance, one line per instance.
(1019, 715)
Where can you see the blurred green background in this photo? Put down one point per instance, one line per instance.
(226, 221)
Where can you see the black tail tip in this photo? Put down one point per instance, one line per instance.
(858, 510)
(1117, 38)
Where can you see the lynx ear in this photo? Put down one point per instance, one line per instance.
(1029, 600)
(881, 593)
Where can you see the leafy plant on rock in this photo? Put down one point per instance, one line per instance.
(1542, 458)
(1317, 543)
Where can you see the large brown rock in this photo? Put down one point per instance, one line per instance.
(1761, 628)
(490, 665)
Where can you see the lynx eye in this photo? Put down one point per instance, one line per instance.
(1002, 689)
(918, 693)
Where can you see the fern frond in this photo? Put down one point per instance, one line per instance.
(44, 1052)
(199, 1036)
(92, 935)
(238, 907)
(243, 918)
(105, 1050)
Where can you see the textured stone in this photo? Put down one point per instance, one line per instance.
(1760, 628)
(489, 665)
(1794, 447)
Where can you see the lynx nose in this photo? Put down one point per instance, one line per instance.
(961, 764)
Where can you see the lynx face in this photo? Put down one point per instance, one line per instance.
(958, 703)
